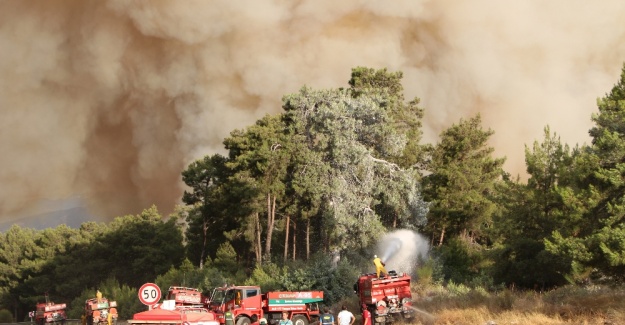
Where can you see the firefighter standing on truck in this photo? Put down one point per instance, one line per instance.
(379, 265)
(326, 318)
(229, 316)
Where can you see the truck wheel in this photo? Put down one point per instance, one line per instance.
(300, 320)
(243, 321)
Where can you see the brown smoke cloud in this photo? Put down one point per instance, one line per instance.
(108, 101)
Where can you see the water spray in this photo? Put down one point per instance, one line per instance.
(424, 315)
(401, 249)
(392, 247)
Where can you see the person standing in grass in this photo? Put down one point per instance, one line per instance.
(345, 317)
(326, 318)
(366, 315)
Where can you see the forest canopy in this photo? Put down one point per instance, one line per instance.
(301, 197)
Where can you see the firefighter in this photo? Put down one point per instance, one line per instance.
(98, 296)
(366, 315)
(109, 319)
(379, 266)
(326, 318)
(229, 316)
(237, 300)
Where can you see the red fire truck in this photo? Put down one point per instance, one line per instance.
(181, 306)
(387, 298)
(49, 312)
(100, 311)
(248, 305)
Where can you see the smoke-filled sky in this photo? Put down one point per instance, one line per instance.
(104, 103)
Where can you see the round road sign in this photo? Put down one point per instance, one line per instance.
(149, 294)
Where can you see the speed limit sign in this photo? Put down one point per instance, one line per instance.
(149, 294)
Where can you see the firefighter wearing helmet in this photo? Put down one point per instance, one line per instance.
(379, 266)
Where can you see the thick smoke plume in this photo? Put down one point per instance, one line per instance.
(106, 102)
(401, 250)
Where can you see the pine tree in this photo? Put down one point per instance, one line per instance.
(461, 184)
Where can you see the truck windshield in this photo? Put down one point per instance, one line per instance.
(218, 296)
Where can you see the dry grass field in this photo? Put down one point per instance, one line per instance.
(459, 305)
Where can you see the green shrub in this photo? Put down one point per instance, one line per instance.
(456, 290)
(457, 261)
(6, 316)
(505, 299)
(337, 282)
(265, 276)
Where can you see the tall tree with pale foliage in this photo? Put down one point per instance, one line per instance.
(353, 140)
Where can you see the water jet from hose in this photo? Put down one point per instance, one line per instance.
(401, 249)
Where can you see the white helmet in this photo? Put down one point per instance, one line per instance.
(375, 256)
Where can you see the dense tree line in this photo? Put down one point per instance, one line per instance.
(301, 196)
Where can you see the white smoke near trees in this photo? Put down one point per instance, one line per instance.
(402, 249)
(108, 101)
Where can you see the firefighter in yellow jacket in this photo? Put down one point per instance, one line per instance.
(379, 266)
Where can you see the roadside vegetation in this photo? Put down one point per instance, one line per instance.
(300, 199)
(571, 304)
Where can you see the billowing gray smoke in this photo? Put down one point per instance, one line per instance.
(402, 249)
(106, 102)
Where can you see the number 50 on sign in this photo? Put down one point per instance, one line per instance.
(149, 294)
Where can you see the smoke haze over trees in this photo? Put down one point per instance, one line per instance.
(290, 173)
(104, 102)
(303, 196)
